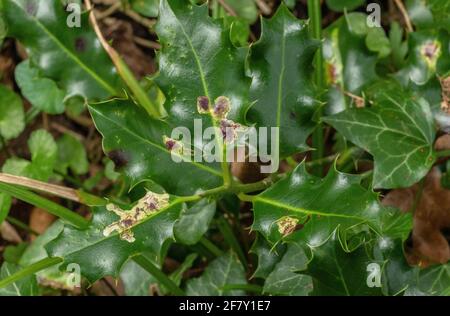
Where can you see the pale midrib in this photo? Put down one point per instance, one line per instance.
(200, 166)
(70, 55)
(304, 211)
(224, 163)
(14, 283)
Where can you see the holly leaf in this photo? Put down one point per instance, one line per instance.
(109, 241)
(135, 142)
(397, 130)
(307, 208)
(349, 64)
(12, 117)
(198, 59)
(65, 52)
(194, 222)
(285, 279)
(224, 270)
(336, 272)
(42, 93)
(26, 286)
(280, 65)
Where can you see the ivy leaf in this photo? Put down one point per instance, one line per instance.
(194, 222)
(100, 251)
(431, 281)
(197, 59)
(336, 272)
(280, 65)
(284, 279)
(26, 286)
(135, 142)
(137, 280)
(341, 5)
(12, 117)
(305, 207)
(42, 93)
(397, 130)
(71, 56)
(224, 270)
(71, 154)
(43, 157)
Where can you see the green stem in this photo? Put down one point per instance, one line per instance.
(29, 270)
(216, 251)
(246, 287)
(315, 15)
(43, 203)
(231, 240)
(21, 225)
(443, 153)
(159, 275)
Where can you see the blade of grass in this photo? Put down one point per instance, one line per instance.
(231, 240)
(50, 206)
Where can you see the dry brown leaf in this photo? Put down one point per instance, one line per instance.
(40, 220)
(431, 218)
(9, 233)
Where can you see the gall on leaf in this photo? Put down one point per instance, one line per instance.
(146, 206)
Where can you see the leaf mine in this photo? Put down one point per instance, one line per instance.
(146, 206)
(287, 225)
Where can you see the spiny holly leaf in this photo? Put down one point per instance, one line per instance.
(428, 55)
(194, 222)
(12, 117)
(24, 287)
(111, 239)
(222, 271)
(135, 142)
(64, 52)
(397, 130)
(198, 59)
(349, 65)
(336, 272)
(285, 279)
(311, 208)
(43, 157)
(268, 256)
(280, 65)
(43, 93)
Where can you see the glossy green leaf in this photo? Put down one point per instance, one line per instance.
(285, 279)
(341, 5)
(268, 256)
(42, 92)
(304, 207)
(65, 53)
(100, 254)
(280, 65)
(136, 280)
(135, 142)
(349, 64)
(197, 59)
(194, 222)
(71, 154)
(397, 130)
(220, 272)
(12, 117)
(23, 287)
(434, 280)
(336, 272)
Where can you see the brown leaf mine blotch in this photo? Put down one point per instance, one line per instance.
(149, 204)
(229, 130)
(287, 225)
(173, 145)
(203, 105)
(431, 52)
(222, 106)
